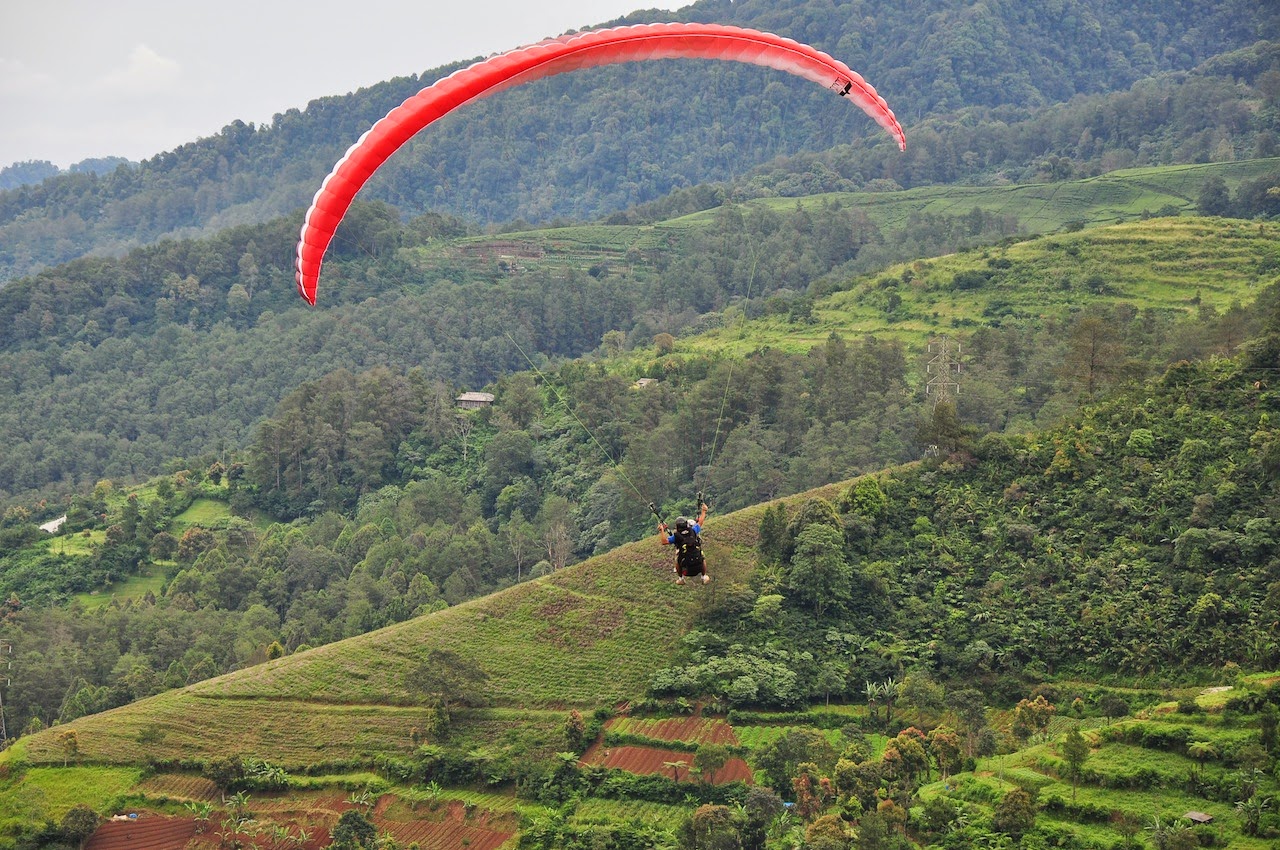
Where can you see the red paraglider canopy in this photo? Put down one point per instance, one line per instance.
(568, 53)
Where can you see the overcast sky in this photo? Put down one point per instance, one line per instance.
(134, 78)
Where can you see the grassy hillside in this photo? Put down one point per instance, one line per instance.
(1167, 264)
(1110, 198)
(592, 634)
(1038, 208)
(1131, 778)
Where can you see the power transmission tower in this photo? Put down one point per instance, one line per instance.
(945, 363)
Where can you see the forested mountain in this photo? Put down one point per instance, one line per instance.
(1182, 81)
(114, 368)
(1086, 571)
(404, 506)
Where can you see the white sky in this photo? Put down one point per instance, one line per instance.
(134, 78)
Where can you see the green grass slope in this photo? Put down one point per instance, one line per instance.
(1164, 264)
(589, 635)
(1039, 208)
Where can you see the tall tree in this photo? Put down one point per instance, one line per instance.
(1075, 751)
(820, 574)
(1095, 353)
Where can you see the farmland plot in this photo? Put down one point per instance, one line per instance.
(177, 786)
(698, 730)
(647, 760)
(144, 833)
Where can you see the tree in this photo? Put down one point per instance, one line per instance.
(1032, 716)
(224, 771)
(354, 831)
(79, 823)
(1202, 751)
(712, 827)
(895, 816)
(939, 815)
(1113, 706)
(1095, 353)
(676, 767)
(520, 399)
(1251, 812)
(859, 781)
(163, 546)
(944, 429)
(575, 731)
(905, 758)
(1268, 718)
(195, 540)
(828, 832)
(812, 790)
(521, 539)
(70, 745)
(921, 691)
(709, 758)
(890, 688)
(774, 542)
(1214, 198)
(445, 678)
(1177, 835)
(1075, 750)
(874, 833)
(832, 675)
(761, 808)
(558, 544)
(1128, 826)
(944, 746)
(820, 573)
(1015, 814)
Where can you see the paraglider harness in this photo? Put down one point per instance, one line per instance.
(689, 558)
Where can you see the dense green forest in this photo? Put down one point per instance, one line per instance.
(114, 368)
(408, 505)
(1086, 571)
(990, 92)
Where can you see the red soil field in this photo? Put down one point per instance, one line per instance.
(144, 833)
(455, 830)
(156, 832)
(450, 828)
(646, 760)
(446, 835)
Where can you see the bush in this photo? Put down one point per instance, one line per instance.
(816, 719)
(1077, 811)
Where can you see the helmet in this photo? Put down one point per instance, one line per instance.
(682, 523)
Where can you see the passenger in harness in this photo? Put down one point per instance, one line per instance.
(686, 537)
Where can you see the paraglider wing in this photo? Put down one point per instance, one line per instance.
(556, 56)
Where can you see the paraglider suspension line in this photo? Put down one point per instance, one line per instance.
(560, 398)
(724, 399)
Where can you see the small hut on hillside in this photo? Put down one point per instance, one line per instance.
(474, 401)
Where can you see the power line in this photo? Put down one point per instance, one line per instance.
(6, 649)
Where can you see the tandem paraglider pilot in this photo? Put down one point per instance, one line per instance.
(687, 538)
